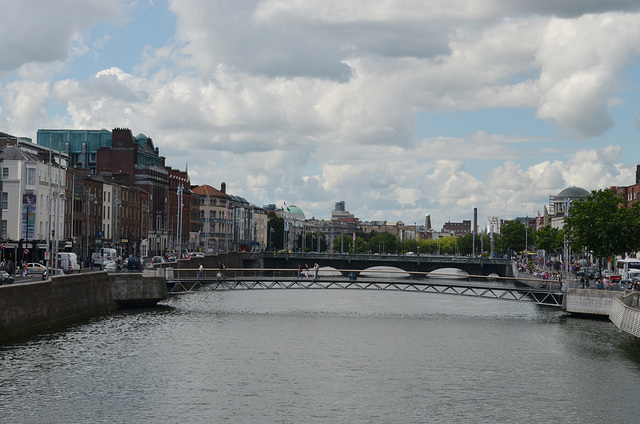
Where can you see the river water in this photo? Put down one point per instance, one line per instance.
(325, 356)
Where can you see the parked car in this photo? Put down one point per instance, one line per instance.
(198, 255)
(110, 266)
(5, 278)
(157, 260)
(134, 264)
(35, 268)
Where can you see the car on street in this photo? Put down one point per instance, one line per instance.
(134, 264)
(110, 266)
(157, 260)
(5, 278)
(197, 255)
(35, 268)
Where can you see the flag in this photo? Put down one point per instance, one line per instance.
(547, 219)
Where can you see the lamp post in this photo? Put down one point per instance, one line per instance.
(118, 223)
(179, 241)
(271, 238)
(89, 198)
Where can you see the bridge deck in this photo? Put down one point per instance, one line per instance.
(491, 290)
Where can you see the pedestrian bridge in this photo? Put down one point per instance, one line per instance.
(502, 288)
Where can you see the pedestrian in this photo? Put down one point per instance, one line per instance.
(25, 269)
(299, 272)
(200, 272)
(316, 268)
(306, 271)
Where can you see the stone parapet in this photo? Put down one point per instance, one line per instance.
(32, 307)
(590, 302)
(625, 313)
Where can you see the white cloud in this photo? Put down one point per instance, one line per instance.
(36, 31)
(314, 102)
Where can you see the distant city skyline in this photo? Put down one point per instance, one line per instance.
(399, 109)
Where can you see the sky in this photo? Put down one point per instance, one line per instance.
(398, 108)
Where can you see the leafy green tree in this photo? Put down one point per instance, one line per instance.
(513, 236)
(602, 224)
(384, 243)
(275, 231)
(549, 239)
(343, 243)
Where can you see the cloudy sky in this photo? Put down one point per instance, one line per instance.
(399, 108)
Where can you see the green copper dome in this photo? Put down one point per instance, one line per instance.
(293, 209)
(573, 193)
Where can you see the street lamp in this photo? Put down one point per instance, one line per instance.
(179, 241)
(271, 239)
(85, 238)
(117, 223)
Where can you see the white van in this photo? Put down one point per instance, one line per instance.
(105, 255)
(68, 262)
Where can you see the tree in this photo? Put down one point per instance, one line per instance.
(603, 224)
(548, 239)
(513, 236)
(275, 231)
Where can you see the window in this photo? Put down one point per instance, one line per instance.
(5, 173)
(3, 230)
(5, 201)
(31, 178)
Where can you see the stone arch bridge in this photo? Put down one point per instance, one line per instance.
(473, 266)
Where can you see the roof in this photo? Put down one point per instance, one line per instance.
(293, 209)
(573, 193)
(207, 190)
(14, 153)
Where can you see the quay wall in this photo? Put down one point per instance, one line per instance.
(625, 313)
(32, 307)
(590, 301)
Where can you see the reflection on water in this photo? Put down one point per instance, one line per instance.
(324, 356)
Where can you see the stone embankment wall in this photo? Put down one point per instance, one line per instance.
(591, 301)
(31, 307)
(625, 313)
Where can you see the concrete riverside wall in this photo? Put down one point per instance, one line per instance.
(626, 315)
(591, 302)
(32, 307)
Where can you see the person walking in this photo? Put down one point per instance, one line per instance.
(299, 277)
(200, 272)
(316, 269)
(306, 271)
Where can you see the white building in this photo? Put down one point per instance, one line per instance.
(28, 184)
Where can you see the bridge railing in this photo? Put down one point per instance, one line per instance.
(386, 257)
(210, 274)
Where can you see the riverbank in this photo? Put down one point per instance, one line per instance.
(31, 307)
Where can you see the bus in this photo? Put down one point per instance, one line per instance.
(627, 266)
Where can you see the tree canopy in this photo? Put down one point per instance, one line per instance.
(603, 225)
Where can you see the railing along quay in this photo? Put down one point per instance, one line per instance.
(503, 288)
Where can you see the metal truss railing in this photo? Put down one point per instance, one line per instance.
(459, 288)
